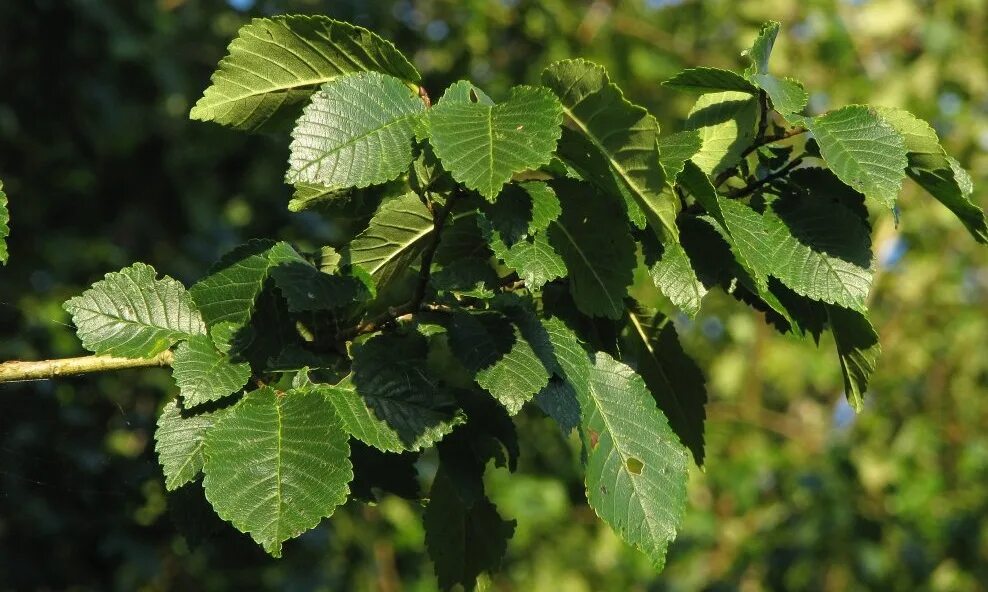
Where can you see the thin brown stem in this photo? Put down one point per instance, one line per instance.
(762, 114)
(758, 143)
(438, 222)
(753, 187)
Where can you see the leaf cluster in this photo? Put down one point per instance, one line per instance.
(531, 249)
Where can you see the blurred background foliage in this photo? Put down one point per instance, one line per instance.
(103, 167)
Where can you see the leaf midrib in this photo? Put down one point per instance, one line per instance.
(405, 246)
(637, 191)
(640, 331)
(134, 322)
(227, 99)
(327, 153)
(593, 270)
(592, 388)
(278, 459)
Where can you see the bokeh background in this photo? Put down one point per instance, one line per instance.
(103, 167)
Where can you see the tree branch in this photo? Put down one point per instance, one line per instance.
(758, 143)
(762, 114)
(438, 223)
(752, 187)
(418, 297)
(17, 371)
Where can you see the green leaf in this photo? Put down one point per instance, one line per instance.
(4, 226)
(391, 416)
(465, 537)
(761, 49)
(597, 249)
(817, 247)
(535, 260)
(275, 64)
(204, 374)
(726, 124)
(636, 466)
(614, 144)
(730, 217)
(132, 314)
(306, 288)
(179, 443)
(863, 150)
(673, 275)
(558, 401)
(820, 250)
(311, 195)
(671, 375)
(470, 277)
(356, 131)
(229, 291)
(858, 350)
(504, 362)
(675, 149)
(483, 145)
(515, 228)
(390, 401)
(545, 205)
(276, 464)
(706, 80)
(934, 171)
(464, 92)
(396, 236)
(270, 331)
(787, 95)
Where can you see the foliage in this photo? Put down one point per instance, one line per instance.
(713, 305)
(393, 341)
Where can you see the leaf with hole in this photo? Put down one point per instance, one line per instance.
(636, 468)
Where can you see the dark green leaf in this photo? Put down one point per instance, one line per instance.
(465, 537)
(934, 171)
(671, 375)
(614, 144)
(390, 401)
(204, 374)
(306, 288)
(397, 234)
(858, 350)
(706, 80)
(276, 464)
(228, 292)
(504, 363)
(597, 249)
(179, 442)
